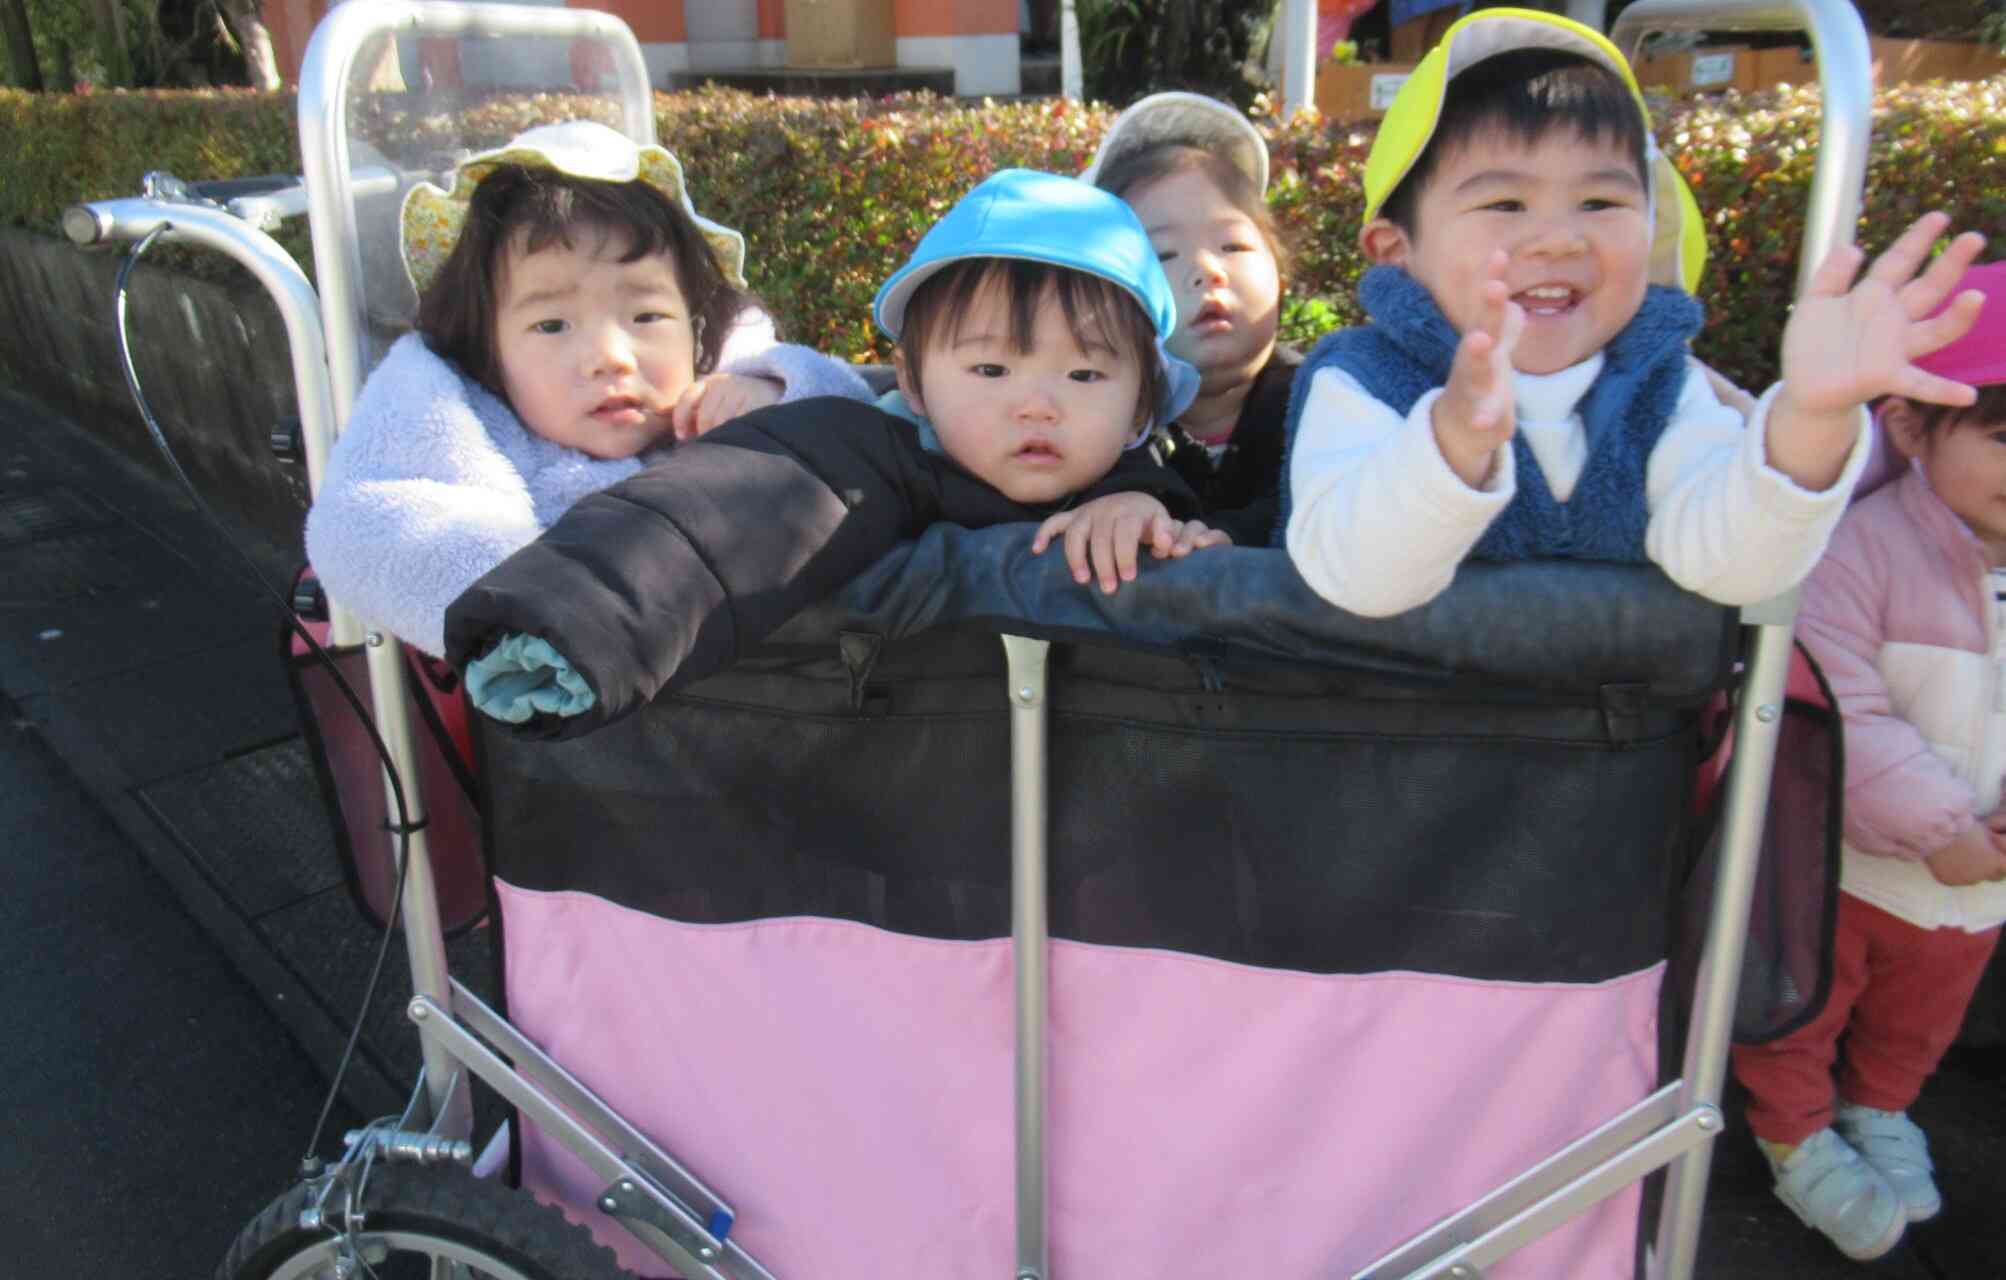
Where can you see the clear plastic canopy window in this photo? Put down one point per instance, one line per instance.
(407, 89)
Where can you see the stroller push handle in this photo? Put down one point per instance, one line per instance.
(211, 226)
(1838, 183)
(1845, 80)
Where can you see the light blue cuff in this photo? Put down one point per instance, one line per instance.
(523, 676)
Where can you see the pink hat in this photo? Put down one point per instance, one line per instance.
(1979, 357)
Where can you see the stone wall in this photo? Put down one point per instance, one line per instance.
(212, 359)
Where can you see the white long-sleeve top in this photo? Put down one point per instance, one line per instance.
(1379, 521)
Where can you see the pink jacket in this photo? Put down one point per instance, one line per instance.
(1899, 615)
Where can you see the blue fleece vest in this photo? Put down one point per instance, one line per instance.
(1407, 350)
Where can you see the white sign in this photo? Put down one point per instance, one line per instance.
(1712, 68)
(1384, 87)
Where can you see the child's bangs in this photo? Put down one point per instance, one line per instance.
(546, 213)
(1524, 96)
(1988, 411)
(1530, 94)
(1144, 167)
(1099, 313)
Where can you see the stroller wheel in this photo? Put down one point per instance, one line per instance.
(419, 1223)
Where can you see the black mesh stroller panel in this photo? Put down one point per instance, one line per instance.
(1355, 795)
(1290, 819)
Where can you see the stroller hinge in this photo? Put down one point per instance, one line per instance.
(629, 1199)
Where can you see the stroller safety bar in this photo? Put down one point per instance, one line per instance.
(651, 1194)
(1845, 79)
(1641, 1140)
(1029, 943)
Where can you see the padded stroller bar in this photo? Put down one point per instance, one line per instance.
(1558, 627)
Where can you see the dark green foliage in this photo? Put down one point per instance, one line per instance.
(1129, 48)
(1924, 19)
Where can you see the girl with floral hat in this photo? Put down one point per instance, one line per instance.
(576, 317)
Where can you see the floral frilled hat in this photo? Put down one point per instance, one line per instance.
(432, 219)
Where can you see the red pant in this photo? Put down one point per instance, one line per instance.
(1898, 992)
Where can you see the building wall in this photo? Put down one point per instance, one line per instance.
(977, 38)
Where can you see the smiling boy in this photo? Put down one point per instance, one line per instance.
(1526, 390)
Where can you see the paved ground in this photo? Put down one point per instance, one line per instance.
(144, 684)
(136, 1055)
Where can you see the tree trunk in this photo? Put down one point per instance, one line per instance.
(260, 62)
(112, 46)
(1175, 55)
(20, 44)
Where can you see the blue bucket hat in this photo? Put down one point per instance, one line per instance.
(1042, 217)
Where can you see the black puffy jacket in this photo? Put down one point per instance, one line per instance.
(668, 576)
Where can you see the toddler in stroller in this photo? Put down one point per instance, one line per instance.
(576, 317)
(1032, 322)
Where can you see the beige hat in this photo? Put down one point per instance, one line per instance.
(1189, 119)
(432, 219)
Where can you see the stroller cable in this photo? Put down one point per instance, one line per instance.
(310, 1164)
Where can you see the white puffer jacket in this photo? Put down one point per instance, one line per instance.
(1903, 614)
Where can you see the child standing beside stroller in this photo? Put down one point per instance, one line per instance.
(575, 317)
(1906, 615)
(1525, 390)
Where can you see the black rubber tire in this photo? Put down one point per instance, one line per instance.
(490, 1225)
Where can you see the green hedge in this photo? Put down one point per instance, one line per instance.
(833, 194)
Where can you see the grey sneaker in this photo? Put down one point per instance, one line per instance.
(1891, 1142)
(1828, 1185)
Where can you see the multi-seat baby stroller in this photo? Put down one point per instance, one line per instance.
(1200, 929)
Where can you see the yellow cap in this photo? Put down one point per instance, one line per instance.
(1678, 242)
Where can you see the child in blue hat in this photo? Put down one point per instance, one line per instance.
(1031, 324)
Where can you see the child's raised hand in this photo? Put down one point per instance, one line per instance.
(1103, 536)
(1848, 343)
(1975, 857)
(1475, 412)
(716, 399)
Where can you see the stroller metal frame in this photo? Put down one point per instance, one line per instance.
(667, 1206)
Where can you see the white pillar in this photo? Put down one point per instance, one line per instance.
(1298, 55)
(1072, 83)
